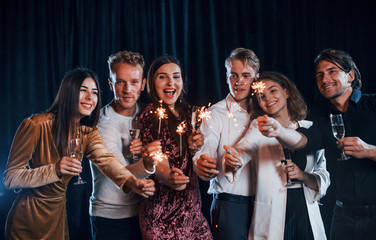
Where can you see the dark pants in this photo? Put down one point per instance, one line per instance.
(231, 218)
(353, 222)
(115, 229)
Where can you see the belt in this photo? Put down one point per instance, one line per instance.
(357, 209)
(234, 198)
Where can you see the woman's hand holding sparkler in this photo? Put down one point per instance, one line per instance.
(269, 127)
(177, 180)
(148, 153)
(287, 136)
(143, 187)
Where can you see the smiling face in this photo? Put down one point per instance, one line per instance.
(88, 97)
(274, 99)
(127, 83)
(239, 79)
(332, 81)
(168, 83)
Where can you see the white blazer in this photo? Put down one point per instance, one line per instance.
(268, 220)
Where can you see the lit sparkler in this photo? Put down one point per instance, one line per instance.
(158, 156)
(259, 88)
(181, 129)
(162, 114)
(204, 113)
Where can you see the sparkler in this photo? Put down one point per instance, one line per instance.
(204, 113)
(162, 114)
(181, 129)
(259, 88)
(158, 156)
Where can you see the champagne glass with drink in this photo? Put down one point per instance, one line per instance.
(75, 151)
(134, 132)
(338, 129)
(285, 158)
(195, 113)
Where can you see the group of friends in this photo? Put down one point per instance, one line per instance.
(238, 149)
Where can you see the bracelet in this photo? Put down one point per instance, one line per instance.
(150, 173)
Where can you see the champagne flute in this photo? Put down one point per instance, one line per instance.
(75, 151)
(134, 132)
(195, 113)
(285, 158)
(338, 129)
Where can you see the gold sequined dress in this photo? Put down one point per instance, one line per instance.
(38, 211)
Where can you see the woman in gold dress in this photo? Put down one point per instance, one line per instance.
(39, 167)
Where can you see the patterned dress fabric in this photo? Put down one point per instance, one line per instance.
(171, 214)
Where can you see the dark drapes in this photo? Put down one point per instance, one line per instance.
(42, 39)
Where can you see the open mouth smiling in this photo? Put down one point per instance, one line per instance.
(169, 92)
(87, 106)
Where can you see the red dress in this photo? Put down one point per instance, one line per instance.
(171, 214)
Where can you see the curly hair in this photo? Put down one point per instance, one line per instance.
(132, 58)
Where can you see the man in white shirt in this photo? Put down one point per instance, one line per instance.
(232, 206)
(113, 213)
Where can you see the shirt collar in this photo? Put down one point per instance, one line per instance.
(233, 106)
(356, 95)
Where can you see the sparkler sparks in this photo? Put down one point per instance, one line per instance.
(259, 88)
(162, 114)
(203, 113)
(181, 129)
(158, 156)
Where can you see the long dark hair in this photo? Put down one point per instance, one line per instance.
(65, 107)
(296, 107)
(172, 120)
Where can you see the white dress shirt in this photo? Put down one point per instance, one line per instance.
(226, 126)
(268, 220)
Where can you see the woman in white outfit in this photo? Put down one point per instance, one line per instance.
(281, 212)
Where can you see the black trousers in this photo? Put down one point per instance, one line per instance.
(231, 216)
(353, 222)
(115, 229)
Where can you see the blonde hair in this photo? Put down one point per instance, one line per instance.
(247, 56)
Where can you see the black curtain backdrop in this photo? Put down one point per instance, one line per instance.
(42, 39)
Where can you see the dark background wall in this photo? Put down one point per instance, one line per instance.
(42, 39)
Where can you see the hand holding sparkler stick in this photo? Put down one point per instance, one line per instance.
(268, 126)
(177, 179)
(258, 88)
(206, 167)
(150, 156)
(232, 158)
